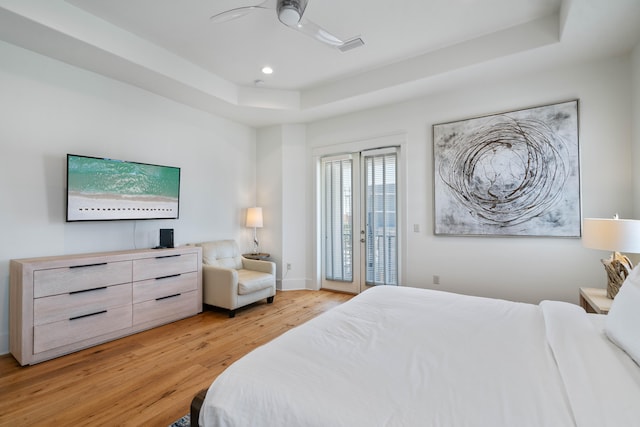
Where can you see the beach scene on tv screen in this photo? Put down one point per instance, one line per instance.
(104, 189)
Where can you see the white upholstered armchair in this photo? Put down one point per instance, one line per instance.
(231, 281)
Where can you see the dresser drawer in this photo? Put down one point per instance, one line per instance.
(72, 330)
(169, 285)
(164, 265)
(171, 307)
(80, 277)
(69, 305)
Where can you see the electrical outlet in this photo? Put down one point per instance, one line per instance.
(288, 266)
(436, 279)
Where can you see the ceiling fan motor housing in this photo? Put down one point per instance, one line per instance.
(290, 11)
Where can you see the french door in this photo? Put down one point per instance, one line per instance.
(359, 220)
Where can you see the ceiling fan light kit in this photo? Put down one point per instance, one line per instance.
(290, 11)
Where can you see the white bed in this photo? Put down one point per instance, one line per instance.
(399, 356)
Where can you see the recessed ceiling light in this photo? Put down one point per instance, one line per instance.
(267, 70)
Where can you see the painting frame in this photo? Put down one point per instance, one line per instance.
(514, 173)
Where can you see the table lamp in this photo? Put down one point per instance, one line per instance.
(616, 235)
(254, 219)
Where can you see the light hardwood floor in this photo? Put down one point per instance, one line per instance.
(148, 378)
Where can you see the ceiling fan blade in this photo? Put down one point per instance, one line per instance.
(312, 29)
(238, 12)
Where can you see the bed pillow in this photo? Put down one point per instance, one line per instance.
(622, 324)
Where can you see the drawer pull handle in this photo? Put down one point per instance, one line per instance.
(168, 277)
(88, 315)
(168, 256)
(87, 290)
(88, 265)
(168, 296)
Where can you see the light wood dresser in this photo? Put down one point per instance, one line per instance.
(61, 304)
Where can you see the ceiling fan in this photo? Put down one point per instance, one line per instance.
(290, 13)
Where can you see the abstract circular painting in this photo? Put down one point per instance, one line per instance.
(510, 174)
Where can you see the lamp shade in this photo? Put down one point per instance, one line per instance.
(254, 217)
(616, 235)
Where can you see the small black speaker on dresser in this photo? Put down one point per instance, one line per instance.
(166, 237)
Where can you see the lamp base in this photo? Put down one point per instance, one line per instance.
(618, 268)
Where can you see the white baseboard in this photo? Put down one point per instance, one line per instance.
(293, 284)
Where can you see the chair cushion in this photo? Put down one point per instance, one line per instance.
(221, 253)
(250, 281)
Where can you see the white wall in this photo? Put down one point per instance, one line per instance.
(281, 182)
(294, 215)
(635, 75)
(269, 193)
(49, 109)
(522, 269)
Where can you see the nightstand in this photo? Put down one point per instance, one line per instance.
(595, 300)
(261, 256)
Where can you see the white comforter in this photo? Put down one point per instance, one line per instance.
(397, 356)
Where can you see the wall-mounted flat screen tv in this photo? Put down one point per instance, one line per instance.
(101, 189)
